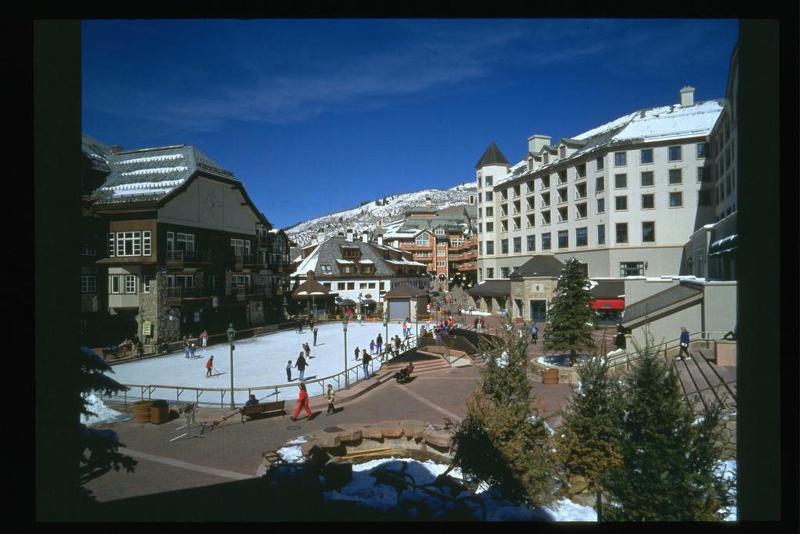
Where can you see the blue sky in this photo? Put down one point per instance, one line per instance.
(315, 116)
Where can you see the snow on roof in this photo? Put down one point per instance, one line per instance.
(157, 170)
(365, 261)
(338, 260)
(163, 157)
(308, 264)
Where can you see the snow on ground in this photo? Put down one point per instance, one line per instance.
(103, 414)
(476, 312)
(291, 455)
(560, 360)
(728, 471)
(259, 361)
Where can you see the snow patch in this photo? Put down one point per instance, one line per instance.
(164, 157)
(155, 170)
(103, 414)
(291, 455)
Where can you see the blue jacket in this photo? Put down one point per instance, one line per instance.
(684, 338)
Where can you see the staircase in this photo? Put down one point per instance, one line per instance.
(420, 366)
(703, 380)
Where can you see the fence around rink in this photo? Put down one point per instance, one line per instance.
(263, 393)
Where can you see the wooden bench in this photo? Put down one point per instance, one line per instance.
(263, 408)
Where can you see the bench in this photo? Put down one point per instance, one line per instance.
(263, 408)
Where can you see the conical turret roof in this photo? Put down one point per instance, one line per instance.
(492, 156)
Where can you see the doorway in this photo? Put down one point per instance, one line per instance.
(538, 311)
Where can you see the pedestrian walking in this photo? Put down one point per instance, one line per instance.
(300, 327)
(315, 335)
(379, 343)
(365, 359)
(289, 371)
(330, 395)
(204, 339)
(301, 365)
(307, 350)
(302, 403)
(476, 323)
(186, 347)
(357, 353)
(534, 333)
(684, 344)
(372, 347)
(209, 365)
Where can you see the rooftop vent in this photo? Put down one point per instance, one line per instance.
(687, 97)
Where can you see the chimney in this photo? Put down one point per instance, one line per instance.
(349, 235)
(320, 237)
(537, 141)
(365, 237)
(427, 202)
(687, 97)
(380, 240)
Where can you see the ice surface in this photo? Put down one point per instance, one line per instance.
(259, 361)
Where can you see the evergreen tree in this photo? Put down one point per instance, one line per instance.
(588, 443)
(503, 441)
(668, 463)
(99, 451)
(569, 318)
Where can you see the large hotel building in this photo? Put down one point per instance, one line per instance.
(623, 198)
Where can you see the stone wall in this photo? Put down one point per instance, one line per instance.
(153, 307)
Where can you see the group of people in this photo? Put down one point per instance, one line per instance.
(303, 402)
(300, 364)
(190, 344)
(479, 324)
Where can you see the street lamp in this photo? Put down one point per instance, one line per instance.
(386, 324)
(231, 335)
(344, 329)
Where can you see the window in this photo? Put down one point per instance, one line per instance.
(563, 238)
(113, 281)
(648, 232)
(489, 248)
(489, 272)
(531, 243)
(326, 269)
(531, 221)
(146, 283)
(127, 243)
(620, 181)
(562, 151)
(504, 246)
(380, 286)
(601, 234)
(581, 170)
(88, 283)
(562, 194)
(341, 285)
(621, 203)
(580, 191)
(440, 263)
(562, 177)
(675, 176)
(146, 243)
(545, 199)
(422, 239)
(517, 244)
(601, 205)
(480, 196)
(186, 242)
(546, 217)
(581, 237)
(439, 231)
(130, 283)
(675, 153)
(620, 159)
(702, 149)
(648, 202)
(504, 226)
(675, 200)
(111, 247)
(622, 232)
(504, 272)
(647, 179)
(599, 185)
(646, 155)
(546, 241)
(479, 181)
(489, 211)
(489, 226)
(703, 174)
(581, 208)
(600, 163)
(489, 196)
(488, 180)
(545, 182)
(563, 216)
(351, 285)
(635, 268)
(456, 242)
(480, 213)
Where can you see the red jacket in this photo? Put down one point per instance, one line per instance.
(303, 395)
(209, 365)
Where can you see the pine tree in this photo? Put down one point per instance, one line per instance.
(503, 441)
(668, 458)
(569, 318)
(99, 453)
(588, 443)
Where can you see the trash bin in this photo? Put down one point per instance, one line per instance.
(141, 411)
(159, 412)
(550, 376)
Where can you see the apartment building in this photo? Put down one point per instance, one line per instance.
(445, 240)
(359, 270)
(185, 248)
(623, 198)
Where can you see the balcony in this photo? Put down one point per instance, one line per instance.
(176, 295)
(178, 259)
(471, 266)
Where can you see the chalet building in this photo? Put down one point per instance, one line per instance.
(358, 270)
(185, 249)
(445, 240)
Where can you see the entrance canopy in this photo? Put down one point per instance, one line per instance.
(608, 304)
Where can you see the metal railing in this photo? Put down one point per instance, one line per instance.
(274, 390)
(185, 256)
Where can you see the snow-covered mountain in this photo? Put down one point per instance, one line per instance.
(366, 216)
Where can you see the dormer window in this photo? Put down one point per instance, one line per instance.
(326, 269)
(530, 163)
(546, 158)
(439, 231)
(562, 151)
(422, 240)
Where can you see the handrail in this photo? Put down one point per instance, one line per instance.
(614, 361)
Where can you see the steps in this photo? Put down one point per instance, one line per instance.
(420, 366)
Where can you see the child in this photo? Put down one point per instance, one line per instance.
(289, 371)
(331, 396)
(209, 366)
(307, 350)
(372, 347)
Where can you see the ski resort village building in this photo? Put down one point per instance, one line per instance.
(623, 198)
(184, 247)
(358, 272)
(445, 240)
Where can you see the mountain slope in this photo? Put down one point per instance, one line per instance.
(366, 216)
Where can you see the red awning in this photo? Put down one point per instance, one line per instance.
(608, 304)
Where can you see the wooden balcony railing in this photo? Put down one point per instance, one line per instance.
(176, 294)
(182, 257)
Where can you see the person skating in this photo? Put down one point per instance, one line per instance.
(684, 344)
(307, 350)
(289, 371)
(357, 353)
(534, 333)
(301, 365)
(372, 347)
(330, 395)
(315, 335)
(186, 346)
(204, 339)
(379, 343)
(209, 365)
(302, 402)
(192, 347)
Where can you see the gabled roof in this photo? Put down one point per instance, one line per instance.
(403, 291)
(539, 265)
(329, 253)
(96, 152)
(151, 174)
(492, 156)
(492, 288)
(608, 289)
(652, 305)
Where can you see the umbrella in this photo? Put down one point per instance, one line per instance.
(310, 288)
